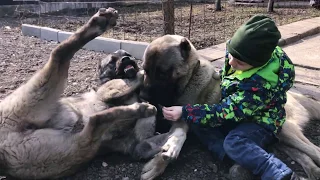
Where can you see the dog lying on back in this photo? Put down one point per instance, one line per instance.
(44, 136)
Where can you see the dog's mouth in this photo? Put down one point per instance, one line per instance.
(128, 68)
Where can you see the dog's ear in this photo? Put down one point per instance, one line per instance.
(99, 66)
(185, 48)
(113, 58)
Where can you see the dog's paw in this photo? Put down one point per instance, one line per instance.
(147, 110)
(313, 173)
(154, 168)
(171, 149)
(105, 19)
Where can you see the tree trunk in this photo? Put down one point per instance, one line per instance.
(168, 16)
(218, 5)
(270, 6)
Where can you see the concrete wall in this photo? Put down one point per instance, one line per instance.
(101, 44)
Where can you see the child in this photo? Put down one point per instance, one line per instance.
(255, 78)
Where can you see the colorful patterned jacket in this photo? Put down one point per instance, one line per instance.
(257, 95)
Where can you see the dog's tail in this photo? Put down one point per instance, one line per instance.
(309, 103)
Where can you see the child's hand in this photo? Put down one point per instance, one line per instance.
(172, 113)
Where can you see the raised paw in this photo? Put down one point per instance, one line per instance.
(104, 19)
(154, 168)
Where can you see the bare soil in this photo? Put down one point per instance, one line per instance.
(144, 22)
(21, 57)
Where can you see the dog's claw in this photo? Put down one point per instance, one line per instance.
(102, 10)
(166, 157)
(154, 168)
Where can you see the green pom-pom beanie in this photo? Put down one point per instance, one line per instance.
(255, 40)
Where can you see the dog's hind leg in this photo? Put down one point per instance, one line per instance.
(49, 153)
(311, 169)
(148, 148)
(306, 140)
(291, 136)
(35, 101)
(110, 119)
(140, 142)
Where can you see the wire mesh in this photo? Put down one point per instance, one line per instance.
(143, 20)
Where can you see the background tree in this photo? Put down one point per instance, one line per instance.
(270, 6)
(218, 5)
(168, 16)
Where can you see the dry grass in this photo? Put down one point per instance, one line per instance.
(144, 22)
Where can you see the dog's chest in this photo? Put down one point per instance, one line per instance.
(87, 104)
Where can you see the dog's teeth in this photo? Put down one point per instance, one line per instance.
(128, 68)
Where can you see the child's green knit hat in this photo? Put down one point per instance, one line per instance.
(255, 40)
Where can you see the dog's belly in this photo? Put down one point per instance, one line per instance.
(74, 112)
(87, 104)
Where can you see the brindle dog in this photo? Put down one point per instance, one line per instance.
(142, 142)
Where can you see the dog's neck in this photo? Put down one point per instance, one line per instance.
(3, 137)
(184, 82)
(2, 160)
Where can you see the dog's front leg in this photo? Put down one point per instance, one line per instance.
(120, 90)
(171, 151)
(175, 141)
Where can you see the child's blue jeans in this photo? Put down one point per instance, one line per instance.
(245, 144)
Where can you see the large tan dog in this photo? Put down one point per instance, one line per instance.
(175, 75)
(44, 136)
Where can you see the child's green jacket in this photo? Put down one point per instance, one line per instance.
(257, 95)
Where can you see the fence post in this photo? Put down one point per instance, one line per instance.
(270, 6)
(168, 16)
(190, 20)
(218, 5)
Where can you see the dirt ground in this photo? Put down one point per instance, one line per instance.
(21, 56)
(145, 22)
